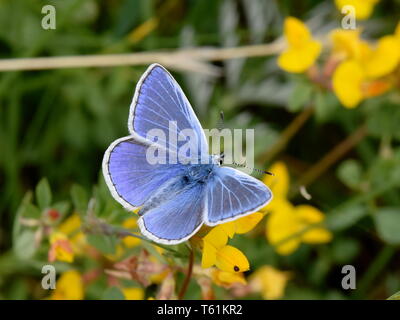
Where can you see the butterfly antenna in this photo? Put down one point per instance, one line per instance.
(220, 124)
(253, 169)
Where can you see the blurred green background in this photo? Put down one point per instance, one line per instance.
(58, 123)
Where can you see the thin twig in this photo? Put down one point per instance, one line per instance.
(188, 276)
(332, 157)
(287, 134)
(177, 58)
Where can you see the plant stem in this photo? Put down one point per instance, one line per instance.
(332, 157)
(188, 275)
(176, 58)
(379, 263)
(287, 134)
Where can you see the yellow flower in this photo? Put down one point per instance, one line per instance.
(302, 50)
(287, 225)
(363, 68)
(71, 227)
(270, 282)
(347, 44)
(242, 225)
(383, 58)
(307, 216)
(224, 278)
(130, 223)
(225, 257)
(279, 185)
(347, 83)
(133, 293)
(68, 287)
(363, 8)
(217, 252)
(60, 248)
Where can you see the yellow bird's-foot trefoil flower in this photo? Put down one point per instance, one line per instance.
(60, 248)
(217, 252)
(69, 287)
(288, 225)
(362, 8)
(270, 282)
(302, 50)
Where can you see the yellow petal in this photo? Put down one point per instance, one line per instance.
(131, 242)
(384, 58)
(71, 224)
(229, 228)
(61, 248)
(213, 241)
(270, 282)
(363, 8)
(130, 223)
(209, 255)
(231, 259)
(282, 225)
(347, 83)
(224, 278)
(299, 59)
(310, 215)
(133, 293)
(302, 50)
(279, 182)
(68, 287)
(296, 32)
(288, 247)
(247, 223)
(346, 43)
(317, 235)
(217, 237)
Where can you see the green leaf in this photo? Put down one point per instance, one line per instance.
(31, 211)
(326, 105)
(345, 249)
(24, 247)
(387, 221)
(20, 213)
(43, 194)
(345, 218)
(300, 96)
(383, 118)
(350, 172)
(105, 243)
(80, 198)
(62, 207)
(113, 293)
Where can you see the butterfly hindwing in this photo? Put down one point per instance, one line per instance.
(176, 219)
(231, 194)
(129, 176)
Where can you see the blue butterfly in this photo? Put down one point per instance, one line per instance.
(175, 199)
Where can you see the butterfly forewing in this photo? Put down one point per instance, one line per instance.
(159, 103)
